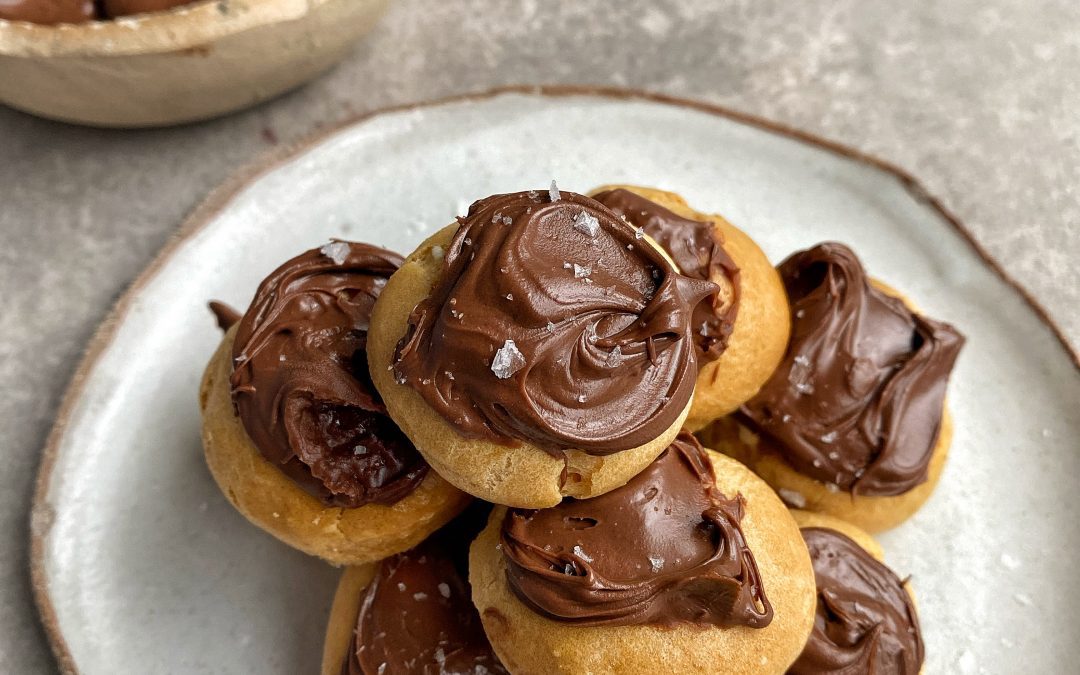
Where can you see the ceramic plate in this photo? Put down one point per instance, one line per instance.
(141, 566)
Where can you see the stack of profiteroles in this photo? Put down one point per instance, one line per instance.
(588, 434)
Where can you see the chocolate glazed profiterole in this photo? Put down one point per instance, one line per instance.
(301, 400)
(540, 324)
(664, 549)
(856, 409)
(698, 251)
(415, 615)
(300, 384)
(866, 619)
(661, 573)
(742, 329)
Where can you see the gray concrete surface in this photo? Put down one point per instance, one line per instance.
(979, 98)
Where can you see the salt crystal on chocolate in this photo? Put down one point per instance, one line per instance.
(508, 360)
(587, 224)
(338, 251)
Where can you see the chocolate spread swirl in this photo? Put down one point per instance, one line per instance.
(552, 323)
(866, 621)
(300, 379)
(417, 615)
(664, 549)
(859, 396)
(697, 247)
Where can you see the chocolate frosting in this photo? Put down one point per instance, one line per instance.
(300, 379)
(866, 621)
(553, 323)
(417, 615)
(859, 396)
(225, 315)
(48, 11)
(697, 247)
(664, 549)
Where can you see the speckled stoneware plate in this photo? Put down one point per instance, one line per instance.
(141, 566)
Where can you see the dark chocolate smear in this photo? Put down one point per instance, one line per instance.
(665, 549)
(858, 399)
(552, 323)
(417, 615)
(300, 379)
(697, 248)
(866, 622)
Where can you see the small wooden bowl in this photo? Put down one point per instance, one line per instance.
(190, 63)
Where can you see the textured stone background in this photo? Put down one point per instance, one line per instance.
(978, 98)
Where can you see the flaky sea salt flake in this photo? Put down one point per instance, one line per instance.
(582, 271)
(338, 251)
(829, 438)
(587, 224)
(553, 192)
(508, 360)
(614, 356)
(579, 552)
(444, 589)
(656, 562)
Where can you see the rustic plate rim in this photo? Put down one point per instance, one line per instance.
(222, 195)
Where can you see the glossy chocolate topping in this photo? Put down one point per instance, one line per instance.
(866, 621)
(664, 549)
(698, 249)
(225, 315)
(859, 396)
(553, 323)
(47, 11)
(417, 615)
(300, 379)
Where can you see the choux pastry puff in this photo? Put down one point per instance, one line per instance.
(694, 566)
(295, 434)
(537, 349)
(740, 331)
(853, 422)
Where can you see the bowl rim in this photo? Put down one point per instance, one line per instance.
(184, 27)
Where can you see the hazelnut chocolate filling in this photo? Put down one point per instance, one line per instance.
(300, 380)
(697, 248)
(665, 549)
(858, 399)
(866, 620)
(552, 322)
